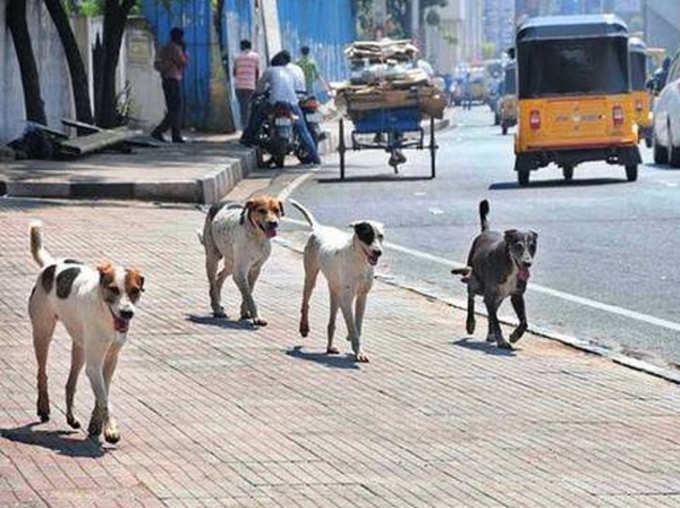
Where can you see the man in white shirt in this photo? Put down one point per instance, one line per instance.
(281, 83)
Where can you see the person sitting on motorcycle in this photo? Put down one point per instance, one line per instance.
(280, 83)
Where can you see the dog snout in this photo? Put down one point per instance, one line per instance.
(377, 253)
(127, 313)
(272, 224)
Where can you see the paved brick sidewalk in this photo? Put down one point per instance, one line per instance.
(214, 413)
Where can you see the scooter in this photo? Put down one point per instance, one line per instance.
(277, 135)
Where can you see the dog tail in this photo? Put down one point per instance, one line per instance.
(307, 214)
(465, 273)
(40, 254)
(483, 212)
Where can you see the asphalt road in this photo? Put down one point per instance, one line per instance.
(600, 238)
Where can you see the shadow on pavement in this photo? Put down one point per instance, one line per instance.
(374, 178)
(333, 361)
(489, 348)
(56, 440)
(557, 183)
(224, 322)
(661, 167)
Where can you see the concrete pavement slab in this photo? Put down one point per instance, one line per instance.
(213, 412)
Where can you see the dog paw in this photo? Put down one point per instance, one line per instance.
(491, 338)
(111, 432)
(503, 344)
(219, 313)
(304, 329)
(517, 333)
(361, 357)
(43, 415)
(332, 351)
(470, 326)
(72, 421)
(97, 421)
(259, 322)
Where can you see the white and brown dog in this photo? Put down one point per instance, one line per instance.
(242, 236)
(348, 262)
(95, 306)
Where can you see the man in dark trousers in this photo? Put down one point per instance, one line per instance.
(171, 61)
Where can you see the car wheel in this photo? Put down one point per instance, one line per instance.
(632, 172)
(660, 153)
(523, 177)
(673, 151)
(568, 173)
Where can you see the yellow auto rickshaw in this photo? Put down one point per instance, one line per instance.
(507, 106)
(575, 101)
(642, 100)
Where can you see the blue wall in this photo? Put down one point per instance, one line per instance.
(194, 17)
(326, 26)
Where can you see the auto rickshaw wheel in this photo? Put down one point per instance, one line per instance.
(632, 172)
(523, 177)
(648, 141)
(568, 173)
(504, 129)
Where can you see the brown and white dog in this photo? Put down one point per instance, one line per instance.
(95, 305)
(242, 236)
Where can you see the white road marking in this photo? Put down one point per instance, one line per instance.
(288, 189)
(586, 302)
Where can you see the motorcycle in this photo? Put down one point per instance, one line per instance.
(310, 107)
(277, 133)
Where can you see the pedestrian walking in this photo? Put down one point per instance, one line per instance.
(246, 75)
(171, 61)
(311, 70)
(467, 92)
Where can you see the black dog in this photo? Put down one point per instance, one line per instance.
(498, 266)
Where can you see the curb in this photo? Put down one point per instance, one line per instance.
(667, 374)
(208, 189)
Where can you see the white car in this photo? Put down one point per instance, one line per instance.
(667, 119)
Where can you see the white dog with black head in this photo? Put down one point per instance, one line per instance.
(348, 263)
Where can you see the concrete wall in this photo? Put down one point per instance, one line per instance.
(54, 77)
(663, 24)
(146, 89)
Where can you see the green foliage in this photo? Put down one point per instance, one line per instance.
(488, 50)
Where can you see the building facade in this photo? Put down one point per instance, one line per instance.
(498, 24)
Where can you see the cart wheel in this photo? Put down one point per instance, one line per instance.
(568, 173)
(433, 150)
(523, 177)
(341, 147)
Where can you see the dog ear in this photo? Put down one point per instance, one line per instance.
(105, 273)
(246, 210)
(281, 213)
(510, 236)
(534, 235)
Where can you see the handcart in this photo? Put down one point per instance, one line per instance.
(388, 125)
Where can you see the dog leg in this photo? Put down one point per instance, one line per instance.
(77, 361)
(311, 273)
(352, 332)
(495, 331)
(518, 305)
(95, 352)
(335, 305)
(359, 310)
(470, 323)
(253, 274)
(212, 259)
(43, 328)
(111, 432)
(241, 280)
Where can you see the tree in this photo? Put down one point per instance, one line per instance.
(115, 18)
(16, 22)
(79, 83)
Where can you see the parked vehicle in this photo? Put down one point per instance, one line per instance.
(277, 135)
(507, 104)
(575, 103)
(666, 135)
(641, 96)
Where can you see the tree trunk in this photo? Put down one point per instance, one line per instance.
(16, 21)
(79, 83)
(115, 19)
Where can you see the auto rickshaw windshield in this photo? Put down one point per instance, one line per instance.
(638, 70)
(579, 66)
